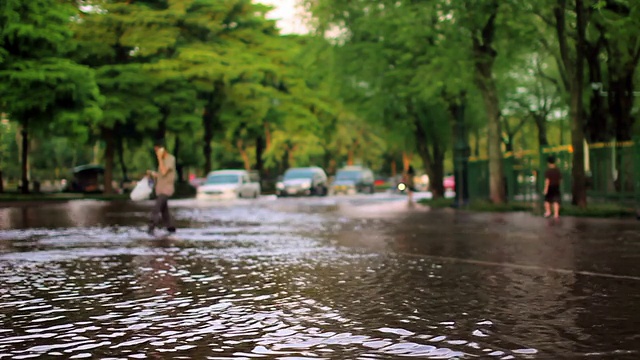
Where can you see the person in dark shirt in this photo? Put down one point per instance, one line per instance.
(552, 180)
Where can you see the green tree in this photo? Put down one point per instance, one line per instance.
(569, 21)
(572, 54)
(8, 151)
(617, 25)
(39, 85)
(124, 41)
(386, 55)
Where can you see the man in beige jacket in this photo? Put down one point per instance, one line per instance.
(165, 179)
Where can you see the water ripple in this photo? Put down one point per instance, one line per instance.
(273, 282)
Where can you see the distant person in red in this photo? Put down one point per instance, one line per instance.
(552, 196)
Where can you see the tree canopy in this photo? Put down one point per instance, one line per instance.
(376, 83)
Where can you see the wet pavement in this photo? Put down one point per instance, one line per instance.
(360, 277)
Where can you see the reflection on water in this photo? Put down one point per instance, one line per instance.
(329, 281)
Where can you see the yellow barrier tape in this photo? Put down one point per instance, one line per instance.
(560, 148)
(519, 153)
(478, 158)
(556, 149)
(611, 144)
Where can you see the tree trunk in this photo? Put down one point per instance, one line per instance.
(434, 166)
(267, 134)
(577, 127)
(161, 131)
(109, 154)
(574, 68)
(209, 118)
(243, 154)
(541, 124)
(96, 152)
(25, 157)
(333, 165)
(579, 190)
(623, 56)
(207, 123)
(176, 153)
(1, 183)
(123, 165)
(476, 145)
(511, 133)
(494, 146)
(350, 156)
(290, 158)
(406, 161)
(508, 145)
(484, 58)
(597, 120)
(621, 105)
(394, 168)
(259, 161)
(436, 178)
(433, 160)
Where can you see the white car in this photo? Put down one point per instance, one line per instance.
(228, 184)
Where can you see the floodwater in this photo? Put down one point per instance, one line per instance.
(323, 278)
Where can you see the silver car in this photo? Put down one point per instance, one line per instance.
(305, 181)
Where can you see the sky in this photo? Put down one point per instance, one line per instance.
(287, 14)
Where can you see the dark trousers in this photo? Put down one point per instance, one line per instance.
(160, 214)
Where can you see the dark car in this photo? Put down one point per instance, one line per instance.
(86, 179)
(303, 181)
(353, 179)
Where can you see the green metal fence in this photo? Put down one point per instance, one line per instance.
(612, 169)
(520, 169)
(478, 181)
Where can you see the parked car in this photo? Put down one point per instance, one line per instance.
(353, 179)
(86, 179)
(303, 181)
(226, 184)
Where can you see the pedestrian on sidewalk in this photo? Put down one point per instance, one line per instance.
(552, 195)
(165, 179)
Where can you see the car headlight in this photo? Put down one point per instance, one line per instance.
(306, 185)
(280, 186)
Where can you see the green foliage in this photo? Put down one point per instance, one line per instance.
(37, 82)
(36, 29)
(8, 149)
(40, 87)
(385, 82)
(49, 89)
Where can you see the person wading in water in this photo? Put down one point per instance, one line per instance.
(165, 179)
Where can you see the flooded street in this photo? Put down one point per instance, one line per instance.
(323, 278)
